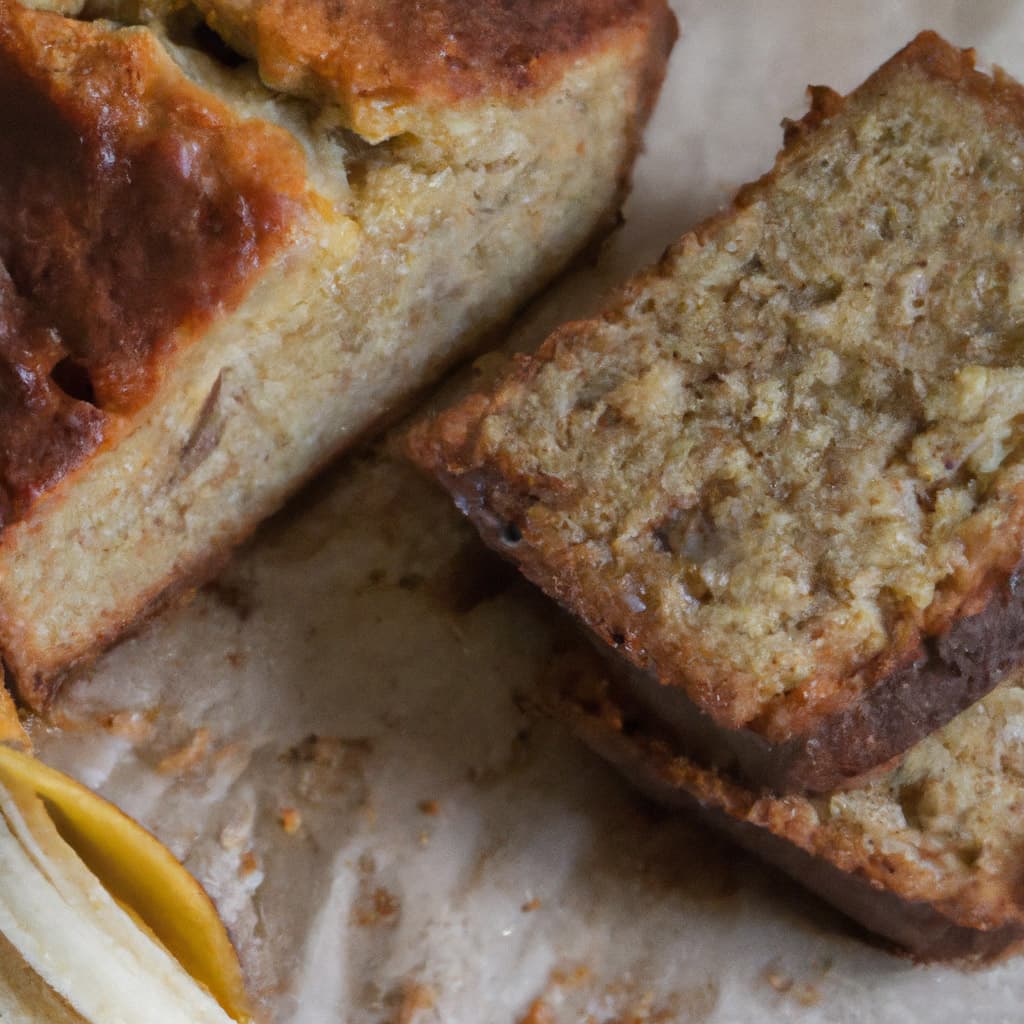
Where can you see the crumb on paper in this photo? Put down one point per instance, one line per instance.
(377, 907)
(807, 994)
(238, 830)
(423, 839)
(539, 1013)
(570, 977)
(134, 726)
(417, 998)
(187, 757)
(248, 864)
(804, 993)
(329, 751)
(531, 905)
(776, 979)
(291, 820)
(430, 807)
(327, 765)
(579, 995)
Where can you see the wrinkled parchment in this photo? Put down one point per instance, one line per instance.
(331, 735)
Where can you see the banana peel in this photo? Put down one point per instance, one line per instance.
(12, 732)
(65, 852)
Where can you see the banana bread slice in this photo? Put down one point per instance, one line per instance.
(927, 853)
(783, 474)
(209, 287)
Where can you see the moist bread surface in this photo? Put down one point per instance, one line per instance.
(210, 287)
(782, 474)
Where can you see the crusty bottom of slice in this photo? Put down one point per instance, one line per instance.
(925, 854)
(323, 348)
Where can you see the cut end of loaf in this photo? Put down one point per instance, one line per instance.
(232, 390)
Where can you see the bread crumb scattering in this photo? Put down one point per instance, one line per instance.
(417, 998)
(248, 865)
(376, 905)
(134, 726)
(188, 757)
(290, 819)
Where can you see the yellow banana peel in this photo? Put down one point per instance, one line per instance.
(11, 729)
(119, 893)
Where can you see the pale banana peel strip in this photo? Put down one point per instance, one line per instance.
(82, 944)
(166, 935)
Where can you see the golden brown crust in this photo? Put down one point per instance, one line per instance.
(926, 656)
(368, 56)
(134, 209)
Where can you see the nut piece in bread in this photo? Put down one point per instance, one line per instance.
(783, 474)
(209, 287)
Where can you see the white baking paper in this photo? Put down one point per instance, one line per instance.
(331, 737)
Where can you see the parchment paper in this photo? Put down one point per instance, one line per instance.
(331, 735)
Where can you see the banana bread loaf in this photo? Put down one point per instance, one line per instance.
(218, 268)
(783, 474)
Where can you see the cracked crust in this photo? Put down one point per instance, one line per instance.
(398, 66)
(834, 695)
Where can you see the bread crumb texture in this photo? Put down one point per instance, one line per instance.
(793, 447)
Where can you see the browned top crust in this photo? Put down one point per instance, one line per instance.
(44, 431)
(134, 207)
(509, 456)
(370, 55)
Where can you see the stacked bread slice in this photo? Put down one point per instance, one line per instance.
(781, 479)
